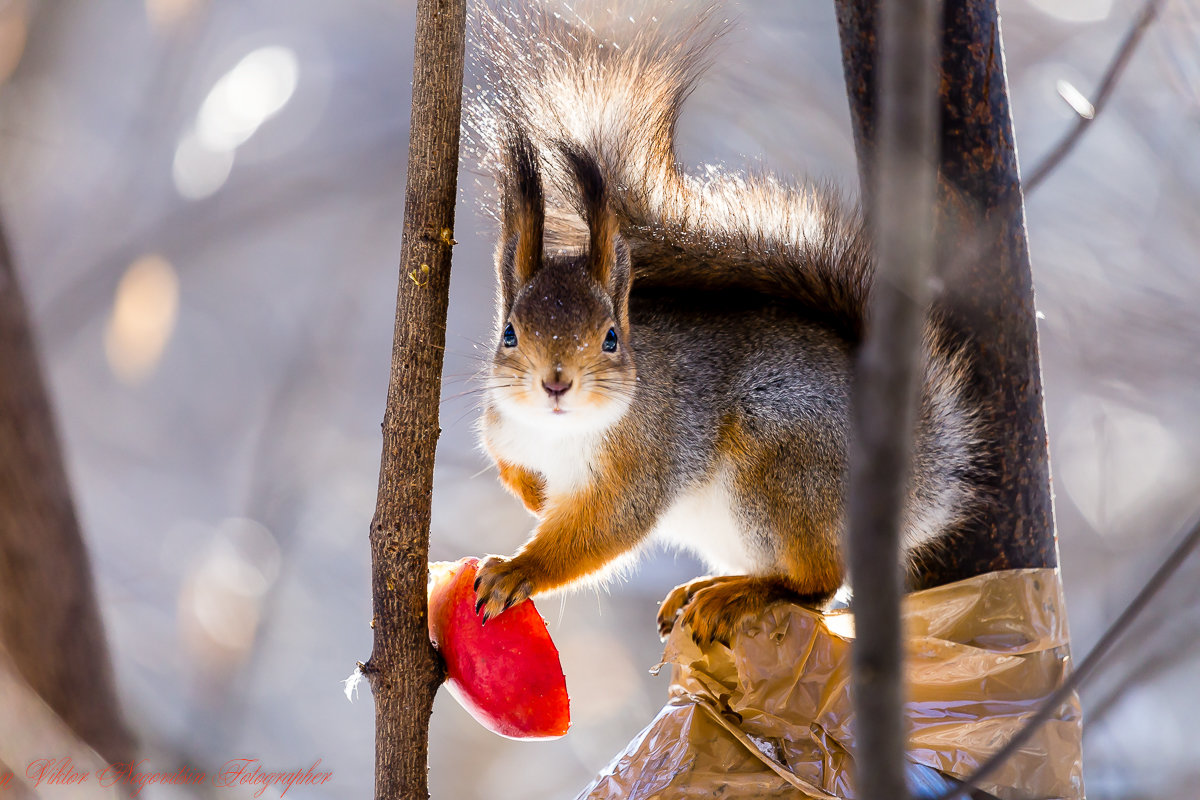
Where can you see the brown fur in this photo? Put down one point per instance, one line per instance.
(528, 486)
(801, 509)
(578, 535)
(736, 303)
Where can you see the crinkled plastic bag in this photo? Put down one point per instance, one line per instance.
(771, 715)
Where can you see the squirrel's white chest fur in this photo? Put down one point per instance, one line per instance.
(561, 454)
(704, 520)
(701, 519)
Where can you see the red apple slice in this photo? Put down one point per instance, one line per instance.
(507, 673)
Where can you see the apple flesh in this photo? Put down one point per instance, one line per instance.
(507, 673)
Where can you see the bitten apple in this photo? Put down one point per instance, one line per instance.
(507, 673)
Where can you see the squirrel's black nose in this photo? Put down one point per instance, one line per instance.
(556, 388)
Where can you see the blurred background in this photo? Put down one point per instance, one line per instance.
(204, 200)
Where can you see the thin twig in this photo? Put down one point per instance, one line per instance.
(1116, 67)
(887, 375)
(1086, 667)
(1155, 662)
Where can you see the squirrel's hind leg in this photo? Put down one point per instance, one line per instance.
(788, 484)
(786, 481)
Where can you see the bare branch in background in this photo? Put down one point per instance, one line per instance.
(276, 488)
(887, 382)
(30, 731)
(190, 228)
(1089, 664)
(1109, 82)
(1157, 661)
(49, 620)
(404, 669)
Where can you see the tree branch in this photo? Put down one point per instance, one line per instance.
(983, 263)
(49, 620)
(1088, 665)
(404, 670)
(1116, 66)
(30, 731)
(887, 385)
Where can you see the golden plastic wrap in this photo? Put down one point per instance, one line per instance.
(771, 715)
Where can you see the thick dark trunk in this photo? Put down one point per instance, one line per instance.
(49, 620)
(984, 264)
(404, 670)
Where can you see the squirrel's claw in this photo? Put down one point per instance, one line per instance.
(500, 583)
(677, 600)
(712, 619)
(713, 608)
(665, 626)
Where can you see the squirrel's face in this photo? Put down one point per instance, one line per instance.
(562, 357)
(562, 353)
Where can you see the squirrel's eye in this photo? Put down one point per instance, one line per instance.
(510, 336)
(610, 341)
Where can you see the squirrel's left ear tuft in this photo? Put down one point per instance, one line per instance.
(524, 210)
(604, 262)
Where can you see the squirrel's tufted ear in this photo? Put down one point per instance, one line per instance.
(524, 208)
(605, 248)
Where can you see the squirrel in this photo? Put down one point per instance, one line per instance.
(674, 353)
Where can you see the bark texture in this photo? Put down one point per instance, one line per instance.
(49, 620)
(404, 670)
(887, 384)
(983, 263)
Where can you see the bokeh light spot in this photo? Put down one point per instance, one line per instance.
(199, 171)
(165, 16)
(247, 96)
(221, 599)
(143, 318)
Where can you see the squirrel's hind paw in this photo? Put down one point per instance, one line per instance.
(679, 597)
(713, 608)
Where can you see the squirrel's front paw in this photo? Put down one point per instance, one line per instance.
(500, 583)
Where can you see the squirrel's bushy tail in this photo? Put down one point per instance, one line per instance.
(611, 88)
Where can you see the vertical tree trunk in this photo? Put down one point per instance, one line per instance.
(49, 621)
(404, 670)
(984, 263)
